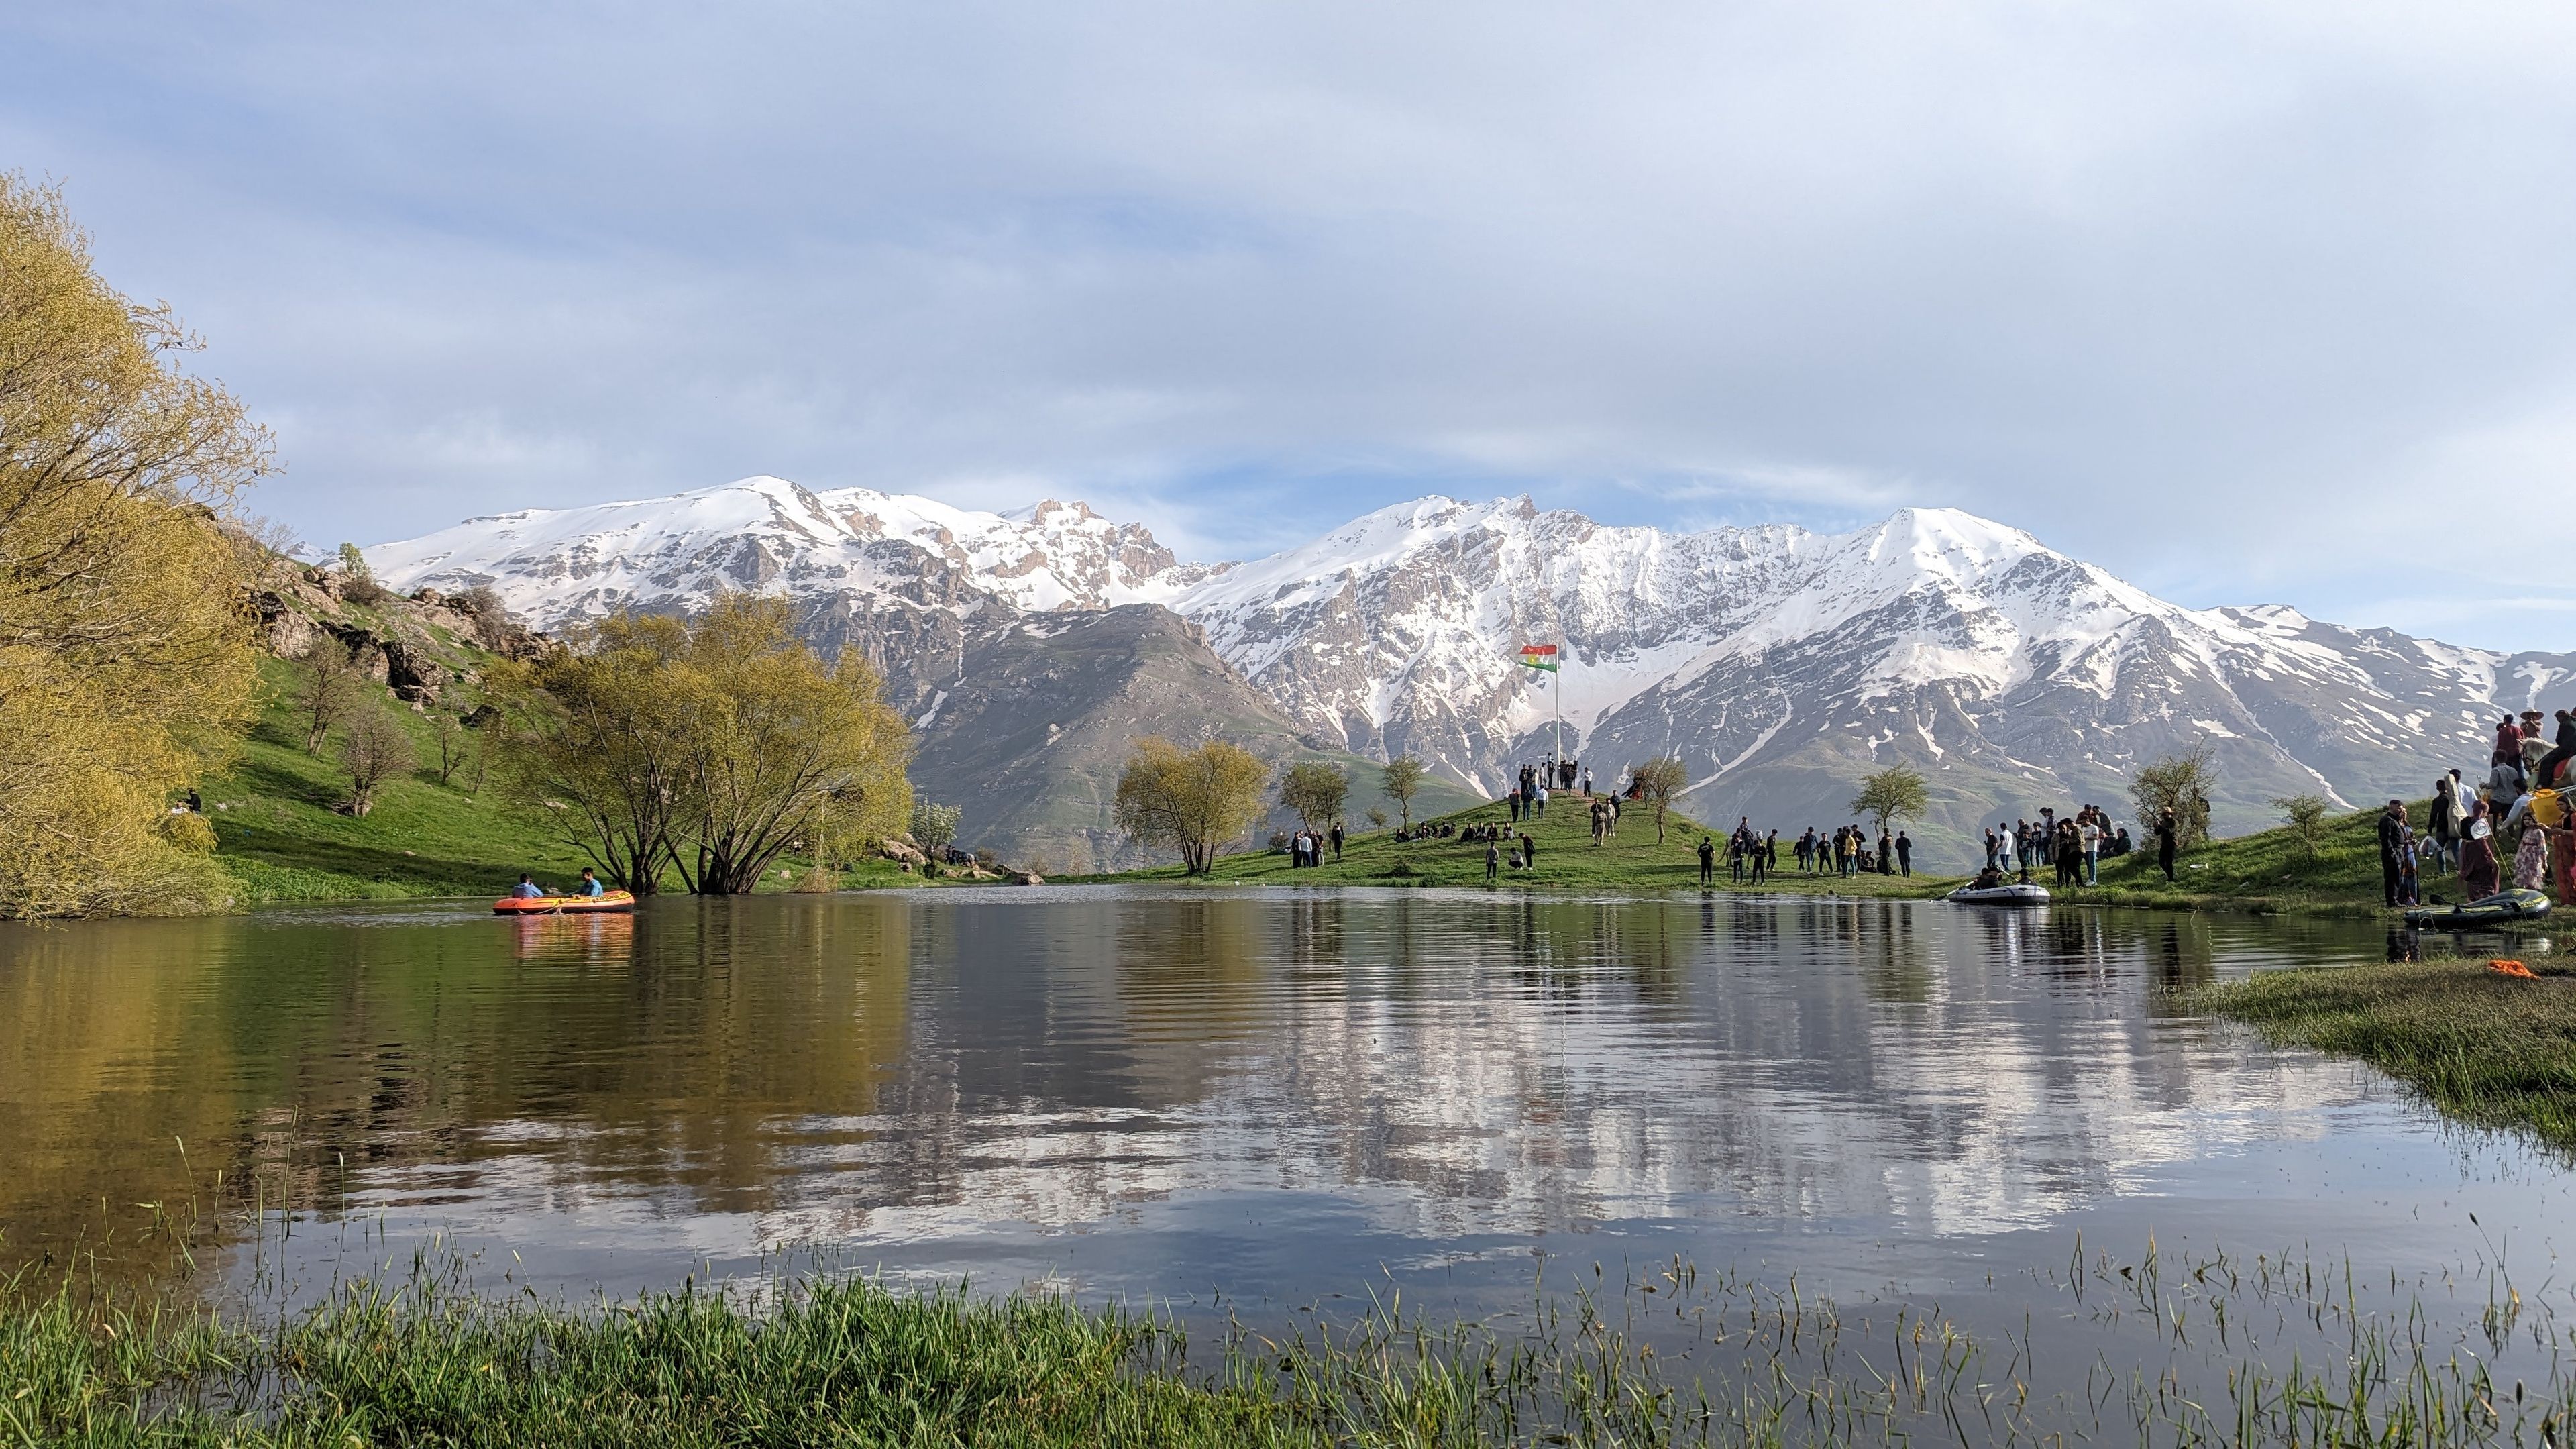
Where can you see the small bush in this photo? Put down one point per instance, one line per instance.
(189, 831)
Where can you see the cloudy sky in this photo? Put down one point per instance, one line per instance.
(2246, 301)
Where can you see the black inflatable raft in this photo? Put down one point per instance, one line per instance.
(2513, 905)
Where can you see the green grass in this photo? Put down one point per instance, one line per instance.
(2483, 1048)
(1567, 859)
(280, 833)
(823, 1361)
(2269, 873)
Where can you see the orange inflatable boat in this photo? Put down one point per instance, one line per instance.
(610, 904)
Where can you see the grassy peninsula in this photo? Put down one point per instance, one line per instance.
(1567, 859)
(2485, 1048)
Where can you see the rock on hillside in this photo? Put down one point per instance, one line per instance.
(419, 647)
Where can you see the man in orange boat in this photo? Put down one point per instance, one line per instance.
(528, 890)
(590, 885)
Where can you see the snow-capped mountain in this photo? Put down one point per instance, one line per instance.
(561, 565)
(1778, 663)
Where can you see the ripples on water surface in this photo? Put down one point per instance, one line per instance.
(1170, 1095)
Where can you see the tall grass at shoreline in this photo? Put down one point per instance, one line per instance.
(2485, 1049)
(2217, 1349)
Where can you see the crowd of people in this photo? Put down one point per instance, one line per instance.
(2520, 812)
(2517, 824)
(1307, 847)
(1754, 856)
(2076, 845)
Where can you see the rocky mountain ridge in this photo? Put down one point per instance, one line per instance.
(1779, 663)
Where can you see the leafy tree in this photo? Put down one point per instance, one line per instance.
(1895, 793)
(357, 581)
(933, 826)
(374, 747)
(779, 745)
(447, 736)
(125, 669)
(329, 690)
(1659, 780)
(1315, 792)
(2181, 783)
(1377, 820)
(711, 746)
(1401, 779)
(2306, 817)
(1190, 801)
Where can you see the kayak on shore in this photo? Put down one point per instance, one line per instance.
(612, 903)
(2008, 894)
(2512, 905)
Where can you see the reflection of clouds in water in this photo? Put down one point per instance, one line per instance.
(1461, 1067)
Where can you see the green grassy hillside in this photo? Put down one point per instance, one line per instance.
(2265, 872)
(280, 833)
(1632, 860)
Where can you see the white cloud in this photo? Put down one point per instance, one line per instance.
(2226, 297)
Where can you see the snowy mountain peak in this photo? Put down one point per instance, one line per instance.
(1777, 663)
(560, 566)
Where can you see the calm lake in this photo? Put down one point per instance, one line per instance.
(1247, 1101)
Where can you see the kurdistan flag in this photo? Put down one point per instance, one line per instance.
(1539, 656)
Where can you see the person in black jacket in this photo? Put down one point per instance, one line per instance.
(2392, 850)
(2547, 775)
(1707, 861)
(2166, 830)
(1904, 854)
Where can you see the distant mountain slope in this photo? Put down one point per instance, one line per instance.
(1780, 664)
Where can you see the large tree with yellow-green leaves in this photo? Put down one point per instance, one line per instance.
(126, 661)
(711, 746)
(1190, 801)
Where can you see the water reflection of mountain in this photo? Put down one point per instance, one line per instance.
(879, 1066)
(1525, 1064)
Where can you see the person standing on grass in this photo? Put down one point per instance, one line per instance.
(1905, 855)
(1493, 860)
(2478, 854)
(1337, 842)
(2531, 858)
(2392, 851)
(1771, 851)
(2167, 830)
(1735, 858)
(1886, 852)
(1529, 852)
(1707, 860)
(1758, 858)
(2088, 835)
(2444, 829)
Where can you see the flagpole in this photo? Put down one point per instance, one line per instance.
(1559, 692)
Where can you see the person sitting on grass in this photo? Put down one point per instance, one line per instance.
(528, 890)
(590, 885)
